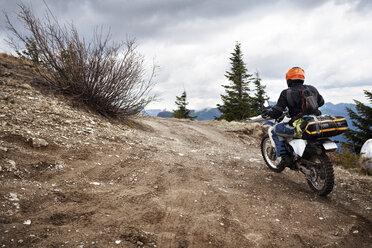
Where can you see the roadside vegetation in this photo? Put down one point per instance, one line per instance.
(350, 156)
(182, 112)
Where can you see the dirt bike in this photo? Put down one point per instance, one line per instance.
(307, 156)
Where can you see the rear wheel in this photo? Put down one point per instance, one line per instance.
(321, 179)
(269, 155)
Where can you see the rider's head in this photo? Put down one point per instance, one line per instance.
(295, 75)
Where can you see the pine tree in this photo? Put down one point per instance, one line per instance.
(236, 103)
(182, 112)
(362, 121)
(259, 97)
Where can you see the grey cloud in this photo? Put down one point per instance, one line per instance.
(360, 5)
(145, 18)
(363, 84)
(277, 64)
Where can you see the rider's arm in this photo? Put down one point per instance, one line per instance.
(320, 99)
(278, 109)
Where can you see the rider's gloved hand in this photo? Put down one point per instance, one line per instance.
(264, 113)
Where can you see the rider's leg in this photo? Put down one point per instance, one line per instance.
(279, 144)
(279, 132)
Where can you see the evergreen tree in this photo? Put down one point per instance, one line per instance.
(362, 121)
(182, 112)
(236, 103)
(259, 97)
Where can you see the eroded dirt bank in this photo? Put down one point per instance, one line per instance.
(73, 179)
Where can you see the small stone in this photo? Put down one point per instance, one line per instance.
(356, 231)
(4, 149)
(89, 130)
(117, 242)
(37, 143)
(13, 197)
(139, 243)
(26, 86)
(12, 165)
(27, 222)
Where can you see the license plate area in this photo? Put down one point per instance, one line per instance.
(330, 146)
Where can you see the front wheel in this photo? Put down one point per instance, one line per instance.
(269, 155)
(321, 178)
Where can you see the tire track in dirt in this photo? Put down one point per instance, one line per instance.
(202, 203)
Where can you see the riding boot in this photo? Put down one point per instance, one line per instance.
(285, 162)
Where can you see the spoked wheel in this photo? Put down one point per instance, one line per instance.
(321, 178)
(269, 155)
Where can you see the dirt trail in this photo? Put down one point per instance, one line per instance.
(72, 179)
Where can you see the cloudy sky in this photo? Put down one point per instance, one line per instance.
(192, 41)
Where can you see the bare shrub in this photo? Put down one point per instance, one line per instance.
(108, 76)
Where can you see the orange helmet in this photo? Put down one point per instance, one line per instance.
(295, 73)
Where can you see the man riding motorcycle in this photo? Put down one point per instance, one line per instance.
(291, 98)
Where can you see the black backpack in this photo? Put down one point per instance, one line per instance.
(308, 102)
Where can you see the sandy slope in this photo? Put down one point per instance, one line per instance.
(72, 179)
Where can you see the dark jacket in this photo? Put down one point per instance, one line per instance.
(282, 103)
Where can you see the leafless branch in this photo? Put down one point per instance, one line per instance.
(106, 75)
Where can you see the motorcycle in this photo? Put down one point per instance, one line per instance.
(308, 157)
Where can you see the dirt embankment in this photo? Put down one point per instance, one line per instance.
(72, 179)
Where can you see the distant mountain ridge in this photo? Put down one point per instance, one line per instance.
(338, 109)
